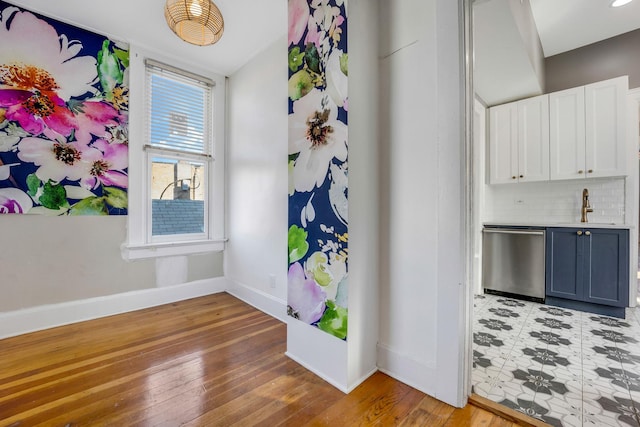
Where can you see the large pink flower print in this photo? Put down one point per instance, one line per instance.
(106, 164)
(38, 75)
(38, 111)
(93, 119)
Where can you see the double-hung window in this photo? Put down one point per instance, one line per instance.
(178, 153)
(180, 184)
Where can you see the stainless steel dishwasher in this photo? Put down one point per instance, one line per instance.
(513, 261)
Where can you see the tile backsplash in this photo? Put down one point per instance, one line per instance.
(555, 201)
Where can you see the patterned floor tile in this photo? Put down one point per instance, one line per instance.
(615, 354)
(564, 367)
(592, 411)
(572, 379)
(533, 409)
(635, 398)
(482, 388)
(567, 410)
(619, 379)
(606, 420)
(609, 336)
(613, 410)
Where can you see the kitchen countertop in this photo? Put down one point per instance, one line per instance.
(560, 224)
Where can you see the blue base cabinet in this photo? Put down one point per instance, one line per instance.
(588, 269)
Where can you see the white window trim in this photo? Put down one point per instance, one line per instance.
(137, 245)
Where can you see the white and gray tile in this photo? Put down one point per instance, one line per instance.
(564, 367)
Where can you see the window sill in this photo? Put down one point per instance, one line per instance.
(157, 250)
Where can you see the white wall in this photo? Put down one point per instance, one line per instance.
(257, 180)
(409, 191)
(507, 59)
(523, 16)
(364, 200)
(49, 260)
(422, 263)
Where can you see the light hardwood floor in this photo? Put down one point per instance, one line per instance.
(210, 361)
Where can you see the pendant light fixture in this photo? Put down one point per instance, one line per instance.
(618, 3)
(197, 22)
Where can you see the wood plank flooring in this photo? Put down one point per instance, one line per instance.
(210, 361)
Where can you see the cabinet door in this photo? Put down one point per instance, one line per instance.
(533, 139)
(607, 256)
(605, 127)
(503, 148)
(564, 264)
(567, 134)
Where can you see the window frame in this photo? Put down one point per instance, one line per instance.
(139, 243)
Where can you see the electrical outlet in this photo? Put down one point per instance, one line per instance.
(272, 281)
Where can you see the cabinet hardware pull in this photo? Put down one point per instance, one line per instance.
(513, 177)
(521, 176)
(590, 171)
(587, 233)
(580, 171)
(579, 232)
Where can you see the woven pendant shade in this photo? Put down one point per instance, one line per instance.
(197, 22)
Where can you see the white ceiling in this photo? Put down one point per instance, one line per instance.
(568, 24)
(250, 26)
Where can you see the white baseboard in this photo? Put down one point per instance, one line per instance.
(269, 304)
(408, 370)
(32, 319)
(324, 355)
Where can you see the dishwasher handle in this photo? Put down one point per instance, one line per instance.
(512, 231)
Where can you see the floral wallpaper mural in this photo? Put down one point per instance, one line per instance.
(318, 169)
(63, 118)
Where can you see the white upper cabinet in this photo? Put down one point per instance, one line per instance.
(519, 141)
(587, 126)
(503, 147)
(533, 139)
(605, 145)
(567, 149)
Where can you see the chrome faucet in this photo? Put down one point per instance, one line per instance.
(586, 207)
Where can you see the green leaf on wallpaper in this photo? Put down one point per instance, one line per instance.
(115, 197)
(334, 320)
(53, 196)
(299, 85)
(295, 58)
(90, 206)
(293, 157)
(344, 64)
(312, 58)
(33, 184)
(109, 70)
(298, 245)
(123, 56)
